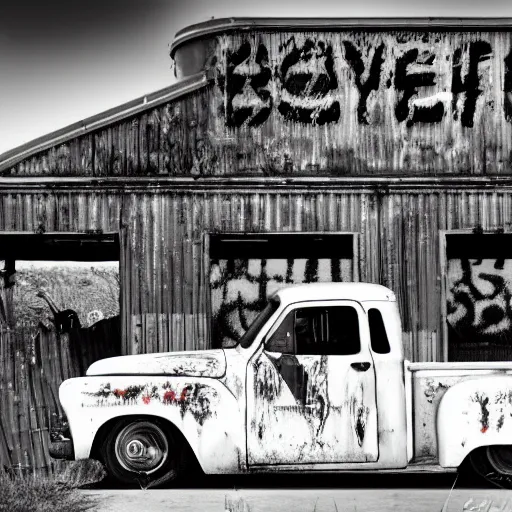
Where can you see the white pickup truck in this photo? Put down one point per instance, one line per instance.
(317, 383)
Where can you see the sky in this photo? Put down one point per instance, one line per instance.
(62, 61)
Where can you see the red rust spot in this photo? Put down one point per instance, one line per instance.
(484, 429)
(183, 395)
(119, 393)
(169, 396)
(146, 399)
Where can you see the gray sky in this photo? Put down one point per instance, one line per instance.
(64, 60)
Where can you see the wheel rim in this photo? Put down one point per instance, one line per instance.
(500, 458)
(142, 446)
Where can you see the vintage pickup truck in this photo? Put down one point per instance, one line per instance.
(317, 383)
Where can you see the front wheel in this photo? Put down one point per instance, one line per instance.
(141, 451)
(494, 463)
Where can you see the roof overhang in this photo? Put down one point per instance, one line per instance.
(218, 26)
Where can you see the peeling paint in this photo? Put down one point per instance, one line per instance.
(193, 398)
(483, 401)
(432, 389)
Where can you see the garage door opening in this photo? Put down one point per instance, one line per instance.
(479, 296)
(245, 269)
(69, 280)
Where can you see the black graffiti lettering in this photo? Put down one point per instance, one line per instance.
(507, 89)
(409, 84)
(353, 57)
(308, 79)
(247, 76)
(486, 317)
(241, 292)
(478, 51)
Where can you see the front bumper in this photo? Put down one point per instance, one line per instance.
(61, 443)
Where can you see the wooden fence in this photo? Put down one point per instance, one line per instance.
(33, 363)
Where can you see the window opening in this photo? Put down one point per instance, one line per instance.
(378, 335)
(246, 269)
(479, 296)
(330, 330)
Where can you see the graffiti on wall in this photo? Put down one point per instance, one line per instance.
(480, 300)
(423, 78)
(240, 288)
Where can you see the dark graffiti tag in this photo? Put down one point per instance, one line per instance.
(308, 78)
(480, 309)
(240, 289)
(354, 58)
(409, 83)
(302, 81)
(246, 84)
(478, 51)
(508, 87)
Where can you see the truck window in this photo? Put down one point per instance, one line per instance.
(247, 339)
(378, 335)
(318, 331)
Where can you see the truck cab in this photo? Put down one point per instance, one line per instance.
(322, 373)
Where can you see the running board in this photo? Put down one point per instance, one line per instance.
(331, 468)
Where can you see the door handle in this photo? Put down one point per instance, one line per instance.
(361, 367)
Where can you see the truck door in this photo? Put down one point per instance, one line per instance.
(311, 395)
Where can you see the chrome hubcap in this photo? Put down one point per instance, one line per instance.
(141, 446)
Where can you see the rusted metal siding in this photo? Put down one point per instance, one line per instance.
(317, 103)
(398, 247)
(165, 257)
(366, 102)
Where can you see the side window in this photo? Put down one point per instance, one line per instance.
(378, 335)
(318, 331)
(282, 339)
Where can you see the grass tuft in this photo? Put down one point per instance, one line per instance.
(36, 494)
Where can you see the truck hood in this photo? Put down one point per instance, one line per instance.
(198, 363)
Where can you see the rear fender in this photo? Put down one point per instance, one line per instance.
(202, 409)
(472, 414)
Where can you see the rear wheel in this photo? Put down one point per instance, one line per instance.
(494, 463)
(141, 452)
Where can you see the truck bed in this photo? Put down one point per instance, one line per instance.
(426, 383)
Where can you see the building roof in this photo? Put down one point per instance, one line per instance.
(360, 292)
(222, 25)
(108, 117)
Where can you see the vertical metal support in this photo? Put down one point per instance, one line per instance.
(444, 273)
(355, 257)
(409, 410)
(207, 292)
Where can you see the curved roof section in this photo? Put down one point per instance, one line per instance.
(360, 292)
(113, 115)
(222, 25)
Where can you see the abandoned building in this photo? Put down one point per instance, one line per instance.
(290, 151)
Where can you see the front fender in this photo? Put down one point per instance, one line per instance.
(202, 409)
(474, 413)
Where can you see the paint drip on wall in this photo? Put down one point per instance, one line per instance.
(240, 288)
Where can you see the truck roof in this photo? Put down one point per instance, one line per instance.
(360, 292)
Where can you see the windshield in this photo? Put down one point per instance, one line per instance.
(251, 333)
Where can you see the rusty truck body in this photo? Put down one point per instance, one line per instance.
(317, 383)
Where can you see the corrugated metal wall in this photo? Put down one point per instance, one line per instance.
(164, 250)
